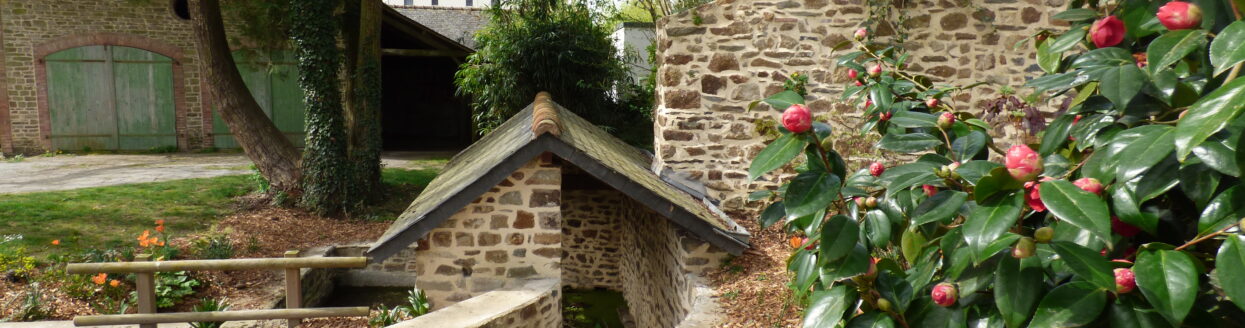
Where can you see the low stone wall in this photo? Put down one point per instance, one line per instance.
(536, 304)
(591, 239)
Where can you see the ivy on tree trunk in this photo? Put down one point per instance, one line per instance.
(325, 162)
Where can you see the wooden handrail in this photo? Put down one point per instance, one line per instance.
(131, 319)
(217, 265)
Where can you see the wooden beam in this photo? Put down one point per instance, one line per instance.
(422, 53)
(217, 265)
(143, 319)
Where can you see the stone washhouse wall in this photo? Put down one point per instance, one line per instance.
(536, 304)
(592, 237)
(30, 29)
(717, 58)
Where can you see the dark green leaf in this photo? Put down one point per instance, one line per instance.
(1199, 183)
(776, 154)
(804, 264)
(1129, 313)
(1222, 211)
(1077, 14)
(1070, 305)
(780, 101)
(972, 171)
(1048, 59)
(1017, 288)
(1056, 134)
(942, 206)
(998, 180)
(1110, 56)
(826, 307)
(1230, 268)
(810, 192)
(1209, 115)
(1087, 263)
(895, 289)
(1066, 41)
(991, 219)
(882, 96)
(1228, 48)
(911, 119)
(1173, 46)
(874, 319)
(909, 143)
(967, 147)
(998, 245)
(1220, 155)
(856, 262)
(1077, 207)
(908, 180)
(1168, 279)
(1121, 83)
(838, 237)
(878, 228)
(1144, 152)
(759, 195)
(1157, 180)
(1128, 209)
(772, 214)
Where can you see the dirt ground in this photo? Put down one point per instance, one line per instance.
(752, 288)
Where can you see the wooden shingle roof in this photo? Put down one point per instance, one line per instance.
(544, 127)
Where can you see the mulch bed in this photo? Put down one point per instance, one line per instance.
(752, 288)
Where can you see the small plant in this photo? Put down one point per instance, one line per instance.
(252, 244)
(417, 303)
(386, 317)
(210, 305)
(162, 150)
(172, 287)
(16, 264)
(261, 183)
(33, 305)
(215, 246)
(16, 158)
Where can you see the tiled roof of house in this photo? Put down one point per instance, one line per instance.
(457, 23)
(544, 127)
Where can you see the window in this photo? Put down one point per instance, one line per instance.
(434, 2)
(468, 3)
(408, 2)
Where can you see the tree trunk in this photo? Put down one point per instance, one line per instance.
(363, 110)
(326, 166)
(263, 143)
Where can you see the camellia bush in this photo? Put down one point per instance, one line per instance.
(1124, 213)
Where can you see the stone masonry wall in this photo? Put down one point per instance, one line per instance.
(719, 57)
(536, 304)
(510, 233)
(591, 238)
(656, 265)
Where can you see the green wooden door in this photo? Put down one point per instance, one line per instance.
(108, 97)
(273, 81)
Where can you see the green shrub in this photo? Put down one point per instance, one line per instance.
(214, 246)
(386, 317)
(417, 303)
(210, 305)
(172, 287)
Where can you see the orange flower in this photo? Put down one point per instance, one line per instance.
(160, 228)
(145, 239)
(114, 283)
(160, 222)
(795, 241)
(56, 242)
(100, 279)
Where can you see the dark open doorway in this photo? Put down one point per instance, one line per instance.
(419, 109)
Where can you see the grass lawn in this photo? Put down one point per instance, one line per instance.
(107, 217)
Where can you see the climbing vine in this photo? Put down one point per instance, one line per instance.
(325, 162)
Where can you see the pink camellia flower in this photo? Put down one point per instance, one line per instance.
(1107, 32)
(929, 190)
(861, 33)
(945, 120)
(1023, 163)
(931, 102)
(1033, 198)
(876, 169)
(797, 118)
(1123, 228)
(875, 70)
(886, 116)
(1180, 15)
(1090, 185)
(944, 294)
(1125, 280)
(852, 73)
(868, 102)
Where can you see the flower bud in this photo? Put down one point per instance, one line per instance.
(871, 202)
(884, 305)
(858, 83)
(1023, 163)
(951, 173)
(827, 143)
(1123, 228)
(930, 190)
(868, 103)
(1125, 281)
(944, 294)
(875, 70)
(1044, 234)
(1107, 32)
(931, 102)
(1090, 185)
(852, 73)
(1180, 15)
(1024, 248)
(797, 119)
(861, 33)
(945, 120)
(861, 203)
(886, 116)
(876, 169)
(943, 172)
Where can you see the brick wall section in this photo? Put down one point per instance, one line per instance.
(741, 50)
(591, 239)
(509, 233)
(535, 304)
(656, 265)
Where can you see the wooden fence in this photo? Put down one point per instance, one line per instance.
(145, 269)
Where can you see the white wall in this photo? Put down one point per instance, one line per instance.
(632, 42)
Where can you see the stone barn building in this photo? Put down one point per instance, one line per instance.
(548, 195)
(126, 75)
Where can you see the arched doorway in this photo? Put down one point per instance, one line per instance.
(273, 81)
(110, 97)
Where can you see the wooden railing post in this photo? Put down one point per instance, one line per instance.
(293, 289)
(145, 286)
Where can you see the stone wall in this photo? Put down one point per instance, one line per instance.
(719, 57)
(591, 238)
(657, 268)
(510, 233)
(534, 304)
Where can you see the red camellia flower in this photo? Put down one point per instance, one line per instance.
(852, 73)
(944, 294)
(1125, 281)
(1123, 228)
(1180, 15)
(1023, 163)
(1107, 32)
(868, 102)
(929, 190)
(875, 70)
(931, 102)
(1090, 185)
(1032, 197)
(886, 116)
(859, 84)
(797, 118)
(876, 169)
